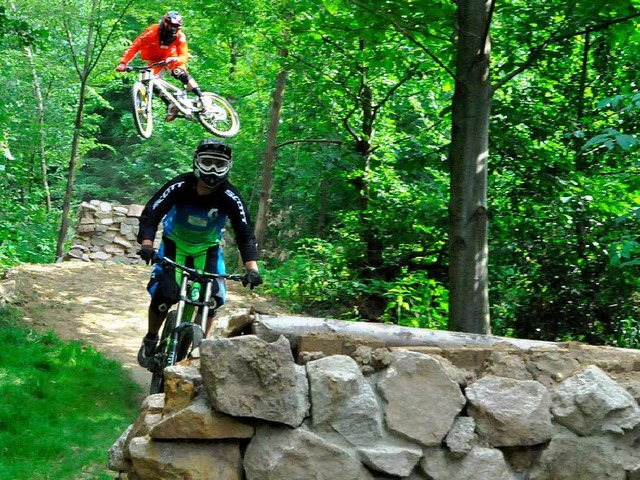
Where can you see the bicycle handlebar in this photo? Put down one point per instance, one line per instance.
(197, 273)
(130, 68)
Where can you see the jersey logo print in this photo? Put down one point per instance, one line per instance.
(166, 193)
(236, 199)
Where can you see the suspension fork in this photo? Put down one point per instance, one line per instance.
(180, 311)
(204, 311)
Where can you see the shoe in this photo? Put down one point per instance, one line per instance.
(207, 105)
(147, 349)
(172, 113)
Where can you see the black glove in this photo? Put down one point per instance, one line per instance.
(147, 253)
(252, 278)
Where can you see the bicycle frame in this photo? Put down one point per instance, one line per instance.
(188, 302)
(178, 96)
(217, 117)
(180, 332)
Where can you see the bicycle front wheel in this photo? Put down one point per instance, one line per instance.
(157, 377)
(142, 112)
(189, 339)
(220, 119)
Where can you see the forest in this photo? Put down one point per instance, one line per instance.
(468, 165)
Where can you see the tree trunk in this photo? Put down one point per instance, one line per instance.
(71, 174)
(41, 145)
(468, 244)
(323, 201)
(269, 159)
(83, 73)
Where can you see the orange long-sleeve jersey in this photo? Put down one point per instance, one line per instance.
(148, 44)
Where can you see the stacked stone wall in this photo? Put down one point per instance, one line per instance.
(250, 408)
(106, 232)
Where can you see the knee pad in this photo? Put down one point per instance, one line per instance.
(164, 290)
(181, 74)
(159, 307)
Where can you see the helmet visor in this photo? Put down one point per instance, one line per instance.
(213, 163)
(171, 28)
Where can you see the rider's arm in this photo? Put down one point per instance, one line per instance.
(182, 49)
(158, 206)
(241, 224)
(137, 45)
(251, 265)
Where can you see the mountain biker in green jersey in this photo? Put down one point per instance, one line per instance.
(194, 208)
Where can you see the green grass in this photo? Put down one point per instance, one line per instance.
(62, 405)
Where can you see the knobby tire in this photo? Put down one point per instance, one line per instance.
(157, 377)
(222, 127)
(141, 108)
(189, 338)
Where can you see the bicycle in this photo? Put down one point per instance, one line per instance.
(180, 334)
(219, 119)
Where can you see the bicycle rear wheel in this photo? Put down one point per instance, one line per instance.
(142, 112)
(157, 376)
(221, 119)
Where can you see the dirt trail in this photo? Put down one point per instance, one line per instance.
(103, 305)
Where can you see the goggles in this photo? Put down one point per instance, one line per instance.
(213, 162)
(171, 27)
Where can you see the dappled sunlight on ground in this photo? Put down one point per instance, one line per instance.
(104, 305)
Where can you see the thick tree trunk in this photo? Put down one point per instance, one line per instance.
(269, 159)
(468, 243)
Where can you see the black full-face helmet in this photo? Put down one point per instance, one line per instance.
(170, 25)
(212, 162)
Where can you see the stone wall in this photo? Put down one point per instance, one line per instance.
(106, 232)
(254, 408)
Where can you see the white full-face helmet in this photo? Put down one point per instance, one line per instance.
(212, 162)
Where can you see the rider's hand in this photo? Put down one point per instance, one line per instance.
(252, 278)
(147, 253)
(122, 67)
(171, 62)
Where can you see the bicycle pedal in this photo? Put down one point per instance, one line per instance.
(155, 363)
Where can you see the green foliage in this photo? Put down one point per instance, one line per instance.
(361, 182)
(317, 274)
(415, 300)
(63, 405)
(318, 279)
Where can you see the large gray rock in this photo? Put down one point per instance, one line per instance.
(591, 402)
(570, 457)
(462, 436)
(185, 461)
(233, 323)
(280, 453)
(116, 459)
(422, 401)
(248, 377)
(198, 421)
(393, 460)
(343, 401)
(510, 412)
(480, 464)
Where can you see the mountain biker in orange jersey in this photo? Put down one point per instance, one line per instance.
(166, 42)
(194, 208)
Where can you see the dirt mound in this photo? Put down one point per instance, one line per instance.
(101, 304)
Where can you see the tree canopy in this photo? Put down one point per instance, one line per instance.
(377, 133)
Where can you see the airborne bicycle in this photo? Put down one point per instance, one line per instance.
(186, 324)
(220, 119)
